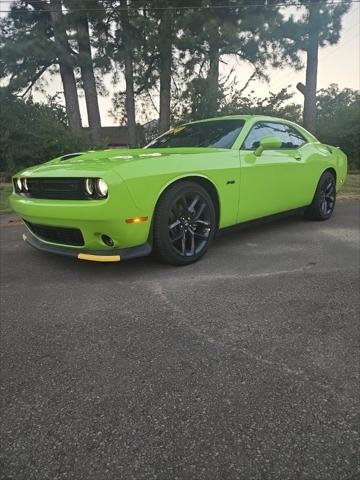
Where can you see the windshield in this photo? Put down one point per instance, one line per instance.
(216, 133)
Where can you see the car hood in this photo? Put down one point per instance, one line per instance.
(98, 162)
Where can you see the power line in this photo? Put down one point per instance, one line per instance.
(235, 5)
(175, 8)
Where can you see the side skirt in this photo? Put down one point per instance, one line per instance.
(260, 221)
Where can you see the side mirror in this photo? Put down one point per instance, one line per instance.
(268, 143)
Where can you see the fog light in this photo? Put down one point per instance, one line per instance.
(19, 184)
(107, 240)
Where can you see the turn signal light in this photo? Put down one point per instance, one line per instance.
(136, 219)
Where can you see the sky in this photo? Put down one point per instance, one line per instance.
(337, 64)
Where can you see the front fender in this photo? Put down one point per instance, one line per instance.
(155, 178)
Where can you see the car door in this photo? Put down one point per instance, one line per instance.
(272, 182)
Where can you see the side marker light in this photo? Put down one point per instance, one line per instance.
(136, 219)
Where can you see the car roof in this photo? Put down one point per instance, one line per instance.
(241, 117)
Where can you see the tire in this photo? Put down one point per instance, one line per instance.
(324, 200)
(184, 223)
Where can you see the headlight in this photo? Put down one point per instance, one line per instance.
(89, 186)
(101, 187)
(19, 184)
(25, 185)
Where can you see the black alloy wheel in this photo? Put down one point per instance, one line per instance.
(324, 200)
(184, 223)
(327, 197)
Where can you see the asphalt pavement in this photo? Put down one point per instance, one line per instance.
(243, 366)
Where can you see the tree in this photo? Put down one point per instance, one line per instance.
(338, 120)
(162, 16)
(128, 48)
(321, 25)
(312, 67)
(31, 42)
(80, 19)
(257, 36)
(65, 62)
(274, 104)
(125, 41)
(52, 33)
(34, 133)
(165, 46)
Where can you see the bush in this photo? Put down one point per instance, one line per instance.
(338, 121)
(34, 133)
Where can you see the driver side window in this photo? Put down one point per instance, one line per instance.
(289, 136)
(259, 131)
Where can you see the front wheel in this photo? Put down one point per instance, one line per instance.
(324, 200)
(184, 223)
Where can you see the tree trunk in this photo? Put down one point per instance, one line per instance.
(309, 116)
(71, 96)
(88, 78)
(213, 79)
(66, 66)
(165, 51)
(129, 76)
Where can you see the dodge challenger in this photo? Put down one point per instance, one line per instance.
(173, 195)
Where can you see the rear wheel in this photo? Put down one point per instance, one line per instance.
(324, 200)
(184, 223)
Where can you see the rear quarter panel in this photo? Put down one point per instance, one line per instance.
(341, 162)
(327, 157)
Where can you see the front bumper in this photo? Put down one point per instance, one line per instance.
(113, 255)
(94, 218)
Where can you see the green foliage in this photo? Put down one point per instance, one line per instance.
(330, 23)
(275, 104)
(260, 34)
(237, 103)
(257, 36)
(5, 191)
(338, 120)
(33, 133)
(26, 47)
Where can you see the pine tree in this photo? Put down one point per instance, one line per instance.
(32, 41)
(128, 35)
(81, 14)
(255, 34)
(320, 26)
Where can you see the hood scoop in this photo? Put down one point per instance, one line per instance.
(71, 155)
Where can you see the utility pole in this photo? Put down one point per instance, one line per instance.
(309, 89)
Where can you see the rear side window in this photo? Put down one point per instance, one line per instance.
(289, 136)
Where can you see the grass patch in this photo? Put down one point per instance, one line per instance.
(352, 184)
(5, 191)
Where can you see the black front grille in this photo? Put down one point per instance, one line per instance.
(64, 236)
(57, 188)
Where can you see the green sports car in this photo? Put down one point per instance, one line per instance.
(173, 195)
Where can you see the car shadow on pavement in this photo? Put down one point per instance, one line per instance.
(147, 267)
